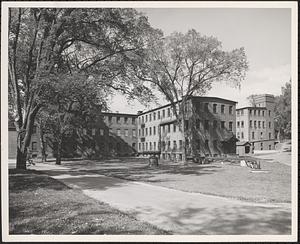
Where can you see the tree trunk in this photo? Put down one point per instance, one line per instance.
(58, 153)
(21, 159)
(43, 146)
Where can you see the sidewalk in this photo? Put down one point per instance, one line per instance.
(177, 211)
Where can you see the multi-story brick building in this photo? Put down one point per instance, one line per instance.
(255, 124)
(209, 125)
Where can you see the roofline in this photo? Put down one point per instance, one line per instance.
(251, 108)
(121, 114)
(218, 98)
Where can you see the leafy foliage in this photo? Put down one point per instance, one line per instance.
(283, 111)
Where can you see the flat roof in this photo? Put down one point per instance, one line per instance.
(196, 97)
(119, 114)
(262, 108)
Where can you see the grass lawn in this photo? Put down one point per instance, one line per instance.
(226, 179)
(39, 204)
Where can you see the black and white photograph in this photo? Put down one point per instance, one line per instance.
(149, 121)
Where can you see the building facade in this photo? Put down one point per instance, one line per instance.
(255, 124)
(209, 126)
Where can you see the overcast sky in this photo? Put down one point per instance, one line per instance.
(264, 33)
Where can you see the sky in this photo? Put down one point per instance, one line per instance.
(264, 33)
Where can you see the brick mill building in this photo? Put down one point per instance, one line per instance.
(209, 125)
(255, 124)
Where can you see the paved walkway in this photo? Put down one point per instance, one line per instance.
(177, 211)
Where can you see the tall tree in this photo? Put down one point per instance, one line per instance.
(283, 112)
(46, 43)
(183, 65)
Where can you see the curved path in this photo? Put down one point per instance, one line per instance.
(177, 211)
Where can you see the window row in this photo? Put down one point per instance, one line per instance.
(120, 120)
(259, 124)
(214, 124)
(216, 108)
(124, 132)
(164, 145)
(155, 115)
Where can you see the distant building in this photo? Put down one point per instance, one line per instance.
(256, 124)
(209, 123)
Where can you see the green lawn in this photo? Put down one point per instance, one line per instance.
(229, 180)
(39, 204)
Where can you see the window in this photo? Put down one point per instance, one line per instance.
(146, 118)
(150, 146)
(250, 111)
(169, 112)
(150, 117)
(158, 114)
(109, 119)
(180, 144)
(230, 109)
(270, 135)
(150, 131)
(242, 124)
(174, 145)
(139, 132)
(146, 146)
(230, 125)
(142, 119)
(163, 129)
(139, 120)
(270, 147)
(269, 124)
(238, 124)
(250, 123)
(263, 124)
(254, 112)
(118, 132)
(174, 127)
(253, 137)
(125, 120)
(143, 132)
(215, 124)
(139, 146)
(238, 135)
(238, 113)
(34, 146)
(269, 112)
(259, 124)
(197, 124)
(242, 112)
(242, 135)
(222, 109)
(154, 146)
(154, 116)
(254, 123)
(143, 146)
(146, 130)
(154, 130)
(133, 121)
(215, 108)
(206, 125)
(223, 124)
(93, 131)
(263, 113)
(163, 113)
(261, 135)
(118, 120)
(101, 132)
(261, 146)
(206, 107)
(258, 112)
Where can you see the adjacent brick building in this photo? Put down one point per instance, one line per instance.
(255, 124)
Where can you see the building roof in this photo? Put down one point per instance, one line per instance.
(193, 97)
(242, 143)
(261, 108)
(119, 114)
